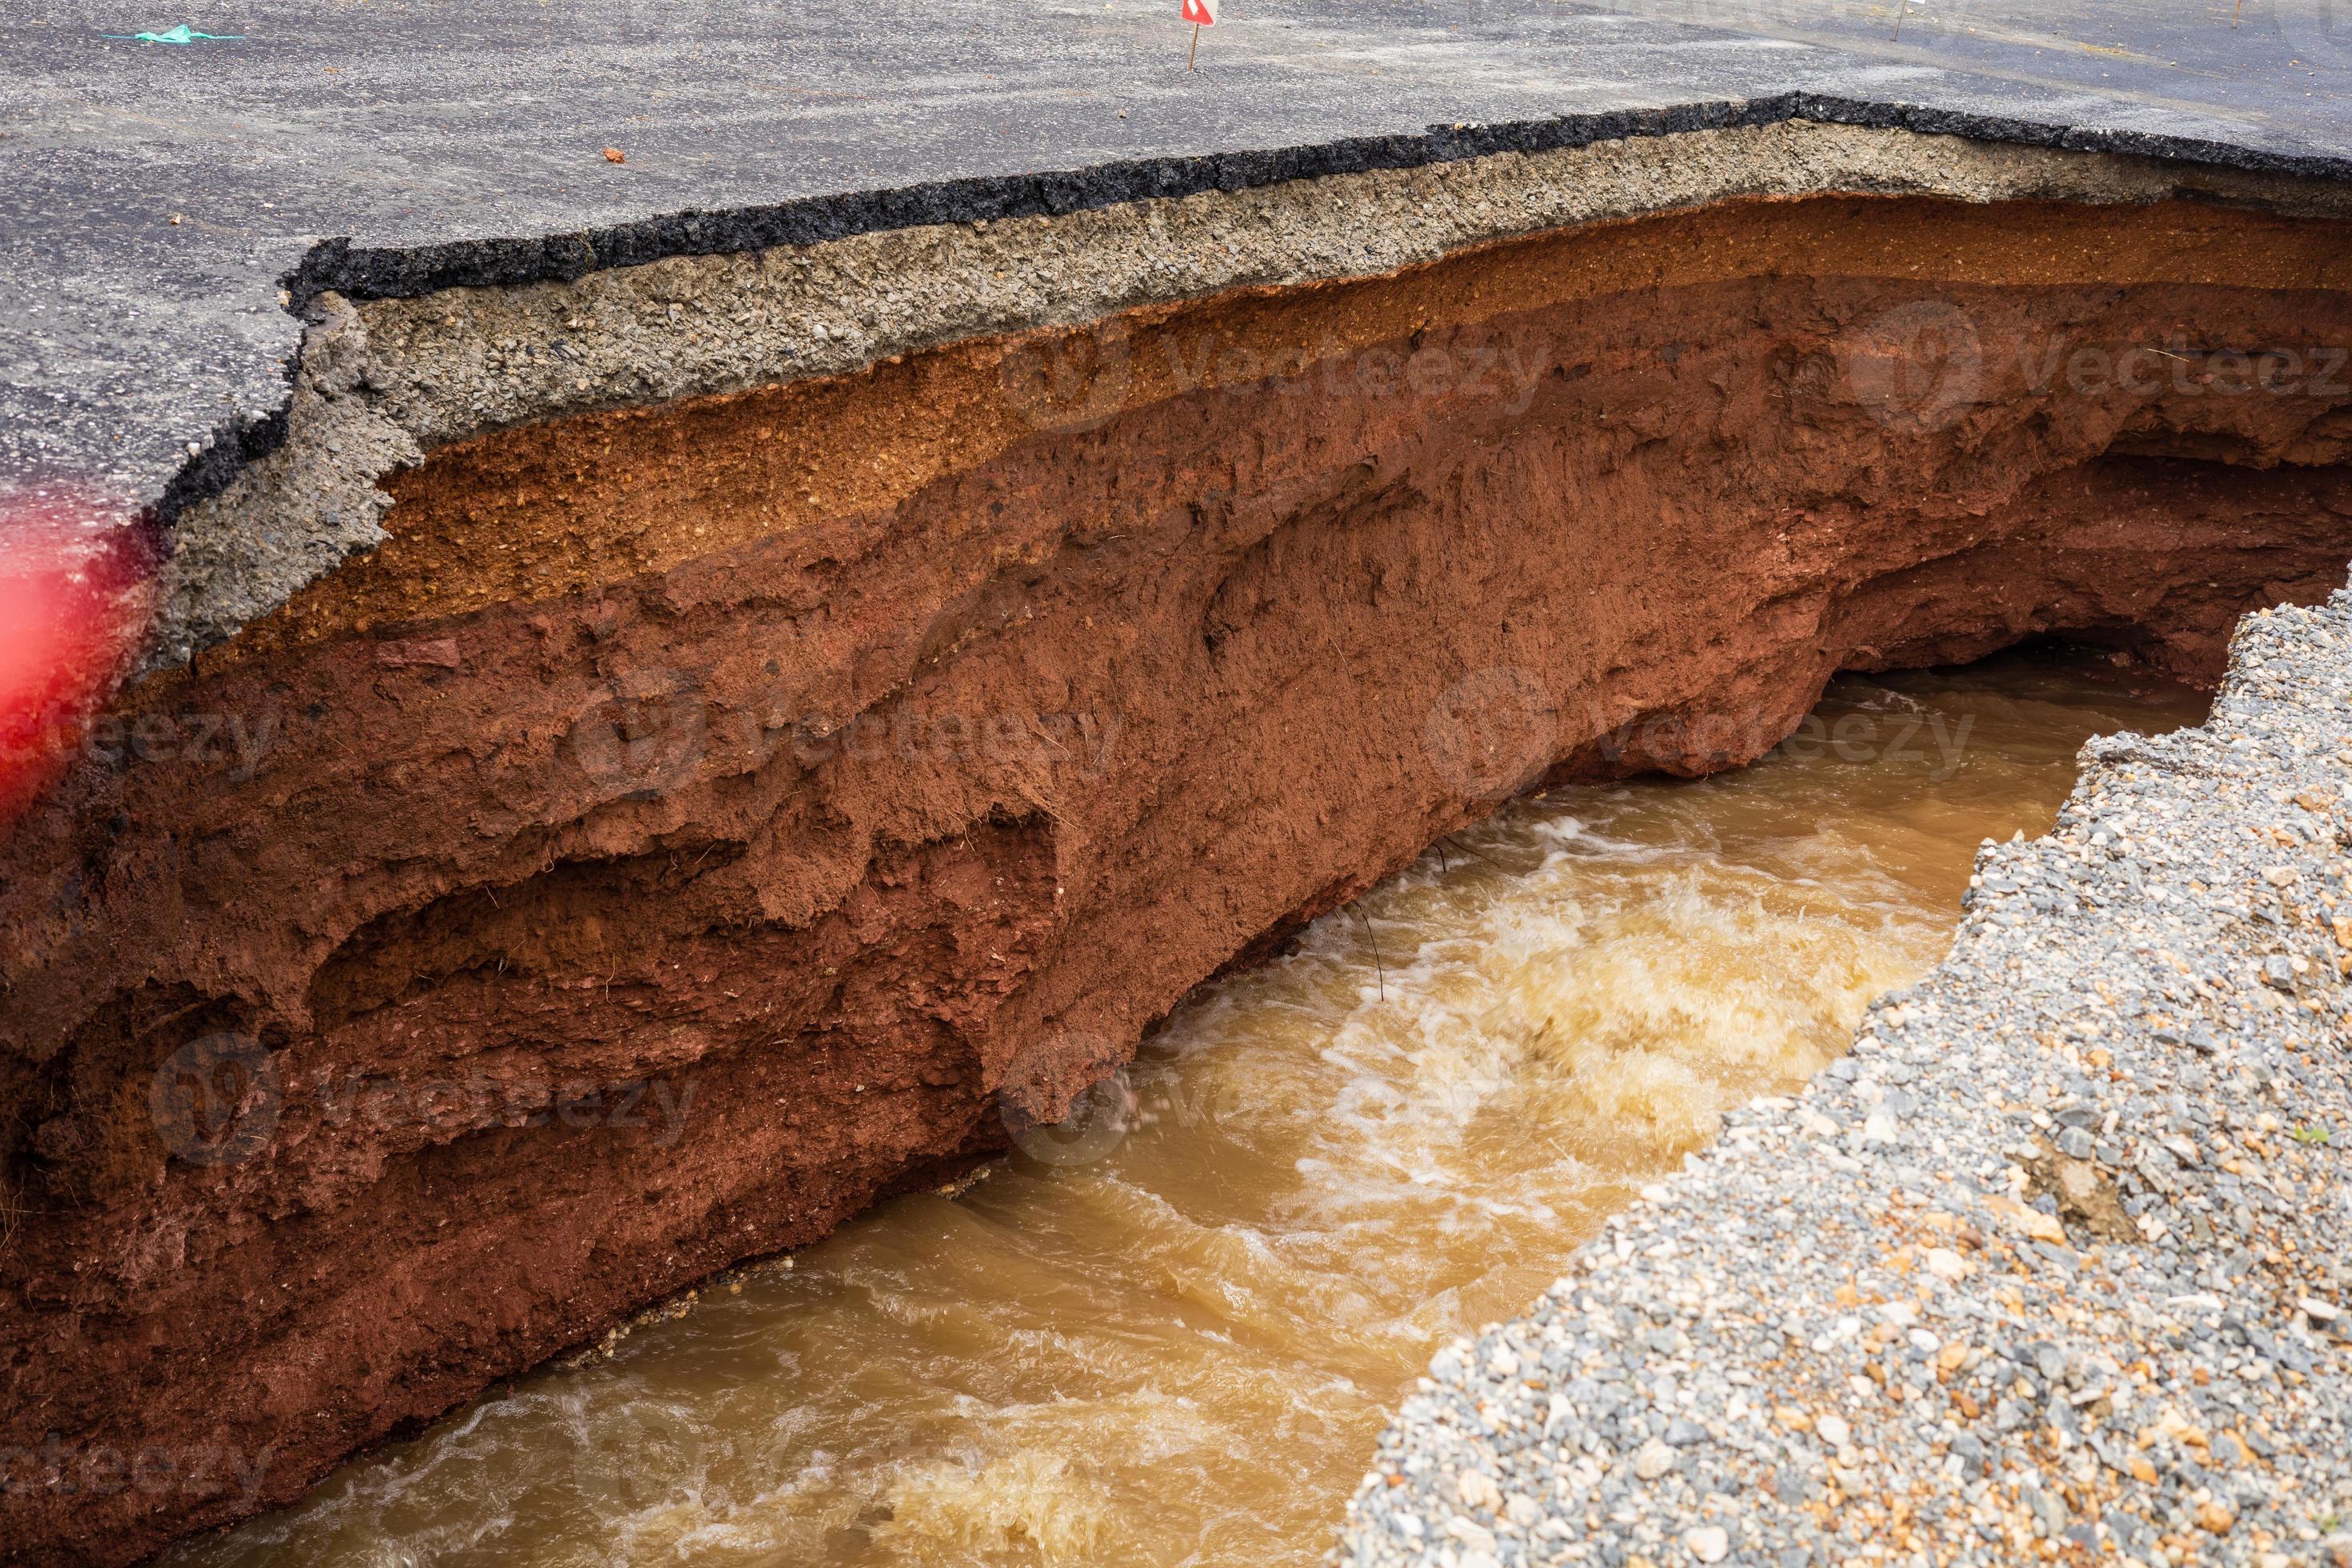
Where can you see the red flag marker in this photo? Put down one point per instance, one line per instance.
(1201, 14)
(76, 586)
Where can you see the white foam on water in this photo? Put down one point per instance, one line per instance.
(1180, 1354)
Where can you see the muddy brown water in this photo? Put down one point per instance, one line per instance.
(1170, 1334)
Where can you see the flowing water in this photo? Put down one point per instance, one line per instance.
(1176, 1346)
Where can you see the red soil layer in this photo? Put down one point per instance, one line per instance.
(406, 994)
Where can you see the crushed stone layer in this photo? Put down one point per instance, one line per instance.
(2051, 1266)
(383, 382)
(156, 197)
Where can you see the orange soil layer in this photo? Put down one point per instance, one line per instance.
(527, 514)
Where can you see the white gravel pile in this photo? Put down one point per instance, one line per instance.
(2051, 1266)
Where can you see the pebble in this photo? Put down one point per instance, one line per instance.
(2076, 1296)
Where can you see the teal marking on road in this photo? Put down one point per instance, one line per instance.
(179, 35)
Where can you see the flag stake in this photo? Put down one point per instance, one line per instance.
(1195, 49)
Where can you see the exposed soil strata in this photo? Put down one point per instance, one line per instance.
(382, 381)
(687, 824)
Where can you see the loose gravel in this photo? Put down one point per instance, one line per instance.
(2053, 1266)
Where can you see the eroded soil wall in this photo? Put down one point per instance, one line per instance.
(698, 821)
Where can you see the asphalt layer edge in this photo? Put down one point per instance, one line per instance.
(367, 272)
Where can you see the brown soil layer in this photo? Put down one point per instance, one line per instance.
(695, 821)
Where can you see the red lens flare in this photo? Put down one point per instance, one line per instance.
(76, 588)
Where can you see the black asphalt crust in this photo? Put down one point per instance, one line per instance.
(235, 443)
(410, 272)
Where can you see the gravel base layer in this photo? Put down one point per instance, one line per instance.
(2051, 1266)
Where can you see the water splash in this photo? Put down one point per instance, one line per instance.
(1179, 1355)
